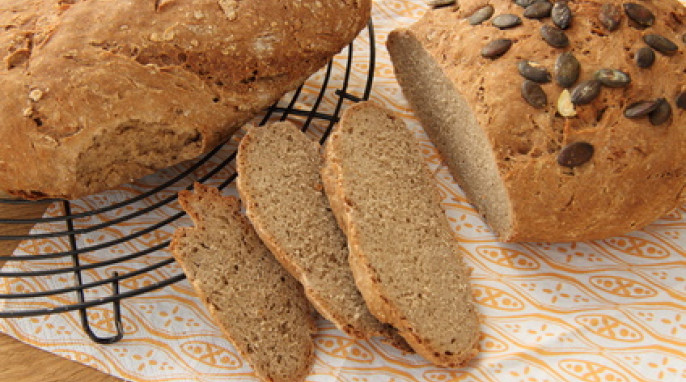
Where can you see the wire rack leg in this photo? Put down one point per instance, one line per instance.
(83, 312)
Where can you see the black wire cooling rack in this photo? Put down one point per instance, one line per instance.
(74, 266)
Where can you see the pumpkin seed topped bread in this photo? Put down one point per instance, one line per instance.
(403, 253)
(278, 180)
(261, 309)
(96, 93)
(561, 121)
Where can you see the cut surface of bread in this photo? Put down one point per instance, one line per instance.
(279, 181)
(404, 257)
(448, 120)
(256, 303)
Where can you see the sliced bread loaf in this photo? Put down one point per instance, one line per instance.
(404, 257)
(257, 304)
(279, 181)
(572, 168)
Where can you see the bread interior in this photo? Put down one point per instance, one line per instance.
(453, 128)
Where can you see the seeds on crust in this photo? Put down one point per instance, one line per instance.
(612, 78)
(561, 15)
(575, 154)
(440, 3)
(565, 107)
(610, 16)
(585, 92)
(482, 14)
(533, 94)
(506, 21)
(639, 14)
(661, 114)
(681, 100)
(566, 69)
(496, 48)
(661, 44)
(533, 71)
(525, 3)
(554, 37)
(538, 10)
(641, 108)
(645, 57)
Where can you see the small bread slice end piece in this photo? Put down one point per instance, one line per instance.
(403, 253)
(260, 308)
(279, 181)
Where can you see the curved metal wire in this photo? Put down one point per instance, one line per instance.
(71, 261)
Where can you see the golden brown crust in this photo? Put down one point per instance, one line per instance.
(142, 86)
(638, 170)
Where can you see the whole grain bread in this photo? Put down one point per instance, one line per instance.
(404, 257)
(506, 153)
(278, 179)
(97, 93)
(261, 309)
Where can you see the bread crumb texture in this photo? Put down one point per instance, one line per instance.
(261, 309)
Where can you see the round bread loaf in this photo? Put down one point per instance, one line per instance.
(96, 93)
(544, 154)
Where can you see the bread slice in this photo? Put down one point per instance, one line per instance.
(404, 257)
(257, 304)
(279, 182)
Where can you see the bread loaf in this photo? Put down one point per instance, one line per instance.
(257, 304)
(278, 180)
(97, 93)
(566, 158)
(403, 254)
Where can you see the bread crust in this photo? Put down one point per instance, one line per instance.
(638, 171)
(142, 86)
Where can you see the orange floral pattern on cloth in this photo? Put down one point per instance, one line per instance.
(605, 310)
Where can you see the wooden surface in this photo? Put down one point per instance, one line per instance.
(23, 363)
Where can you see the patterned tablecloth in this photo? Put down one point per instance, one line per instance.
(605, 310)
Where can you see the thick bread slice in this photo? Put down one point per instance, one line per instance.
(279, 182)
(403, 254)
(257, 304)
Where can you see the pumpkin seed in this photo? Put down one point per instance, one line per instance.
(681, 101)
(641, 108)
(441, 3)
(525, 3)
(575, 154)
(561, 15)
(533, 94)
(661, 44)
(533, 71)
(496, 48)
(554, 37)
(645, 57)
(610, 16)
(612, 78)
(538, 10)
(639, 14)
(482, 14)
(585, 92)
(564, 104)
(566, 69)
(661, 113)
(506, 21)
